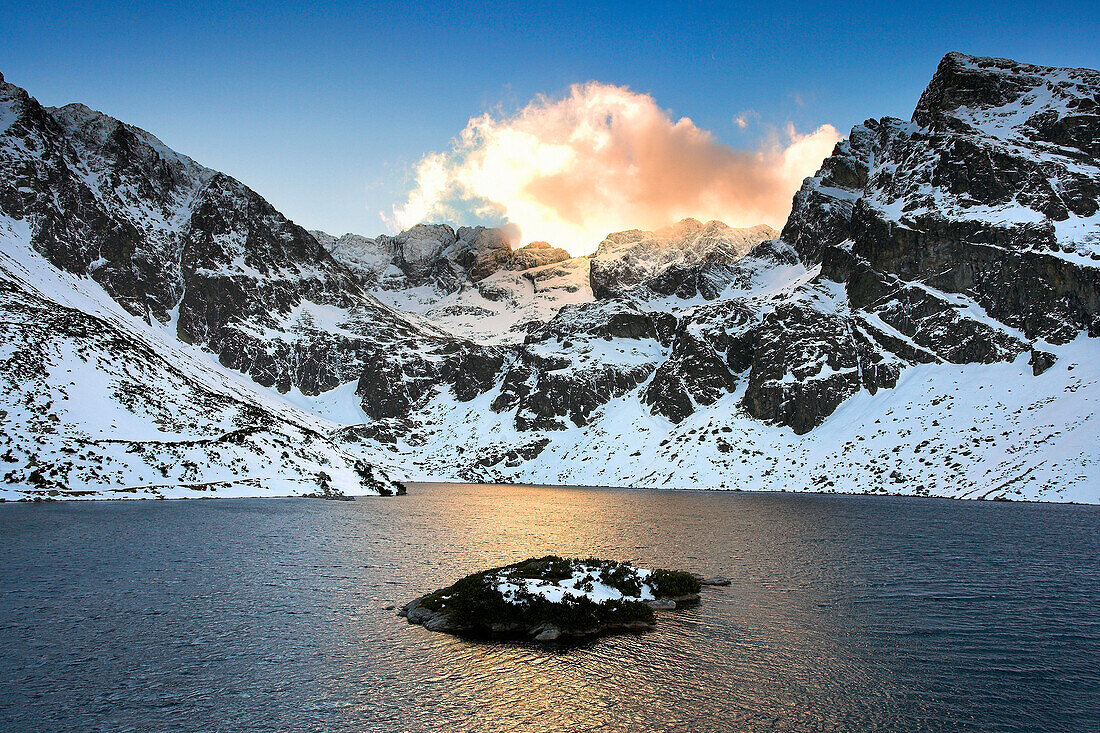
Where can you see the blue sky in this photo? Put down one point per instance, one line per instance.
(326, 111)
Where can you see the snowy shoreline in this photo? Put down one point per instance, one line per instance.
(658, 489)
(413, 485)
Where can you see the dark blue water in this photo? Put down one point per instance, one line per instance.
(846, 614)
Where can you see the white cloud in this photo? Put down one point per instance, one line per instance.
(602, 159)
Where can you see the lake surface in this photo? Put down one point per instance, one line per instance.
(846, 613)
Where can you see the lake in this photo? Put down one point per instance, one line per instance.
(846, 613)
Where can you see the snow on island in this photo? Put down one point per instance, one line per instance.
(550, 598)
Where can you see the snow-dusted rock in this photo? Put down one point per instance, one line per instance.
(97, 403)
(583, 357)
(626, 259)
(963, 236)
(426, 255)
(146, 262)
(550, 599)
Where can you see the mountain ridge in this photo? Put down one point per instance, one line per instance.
(922, 324)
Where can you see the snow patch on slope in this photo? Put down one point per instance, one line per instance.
(110, 406)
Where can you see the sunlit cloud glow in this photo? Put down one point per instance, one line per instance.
(602, 159)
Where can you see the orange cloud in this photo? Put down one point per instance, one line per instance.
(602, 159)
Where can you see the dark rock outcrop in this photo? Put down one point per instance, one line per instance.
(709, 349)
(951, 238)
(583, 357)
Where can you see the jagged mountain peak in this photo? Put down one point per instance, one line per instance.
(679, 233)
(435, 255)
(77, 115)
(536, 254)
(628, 258)
(476, 284)
(966, 236)
(17, 106)
(1011, 101)
(100, 130)
(448, 259)
(9, 90)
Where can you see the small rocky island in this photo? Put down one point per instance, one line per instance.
(554, 599)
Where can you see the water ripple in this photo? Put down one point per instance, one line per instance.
(846, 613)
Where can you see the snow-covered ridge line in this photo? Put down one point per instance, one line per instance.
(475, 284)
(137, 413)
(922, 325)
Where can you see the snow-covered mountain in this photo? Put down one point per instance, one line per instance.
(147, 302)
(474, 284)
(923, 324)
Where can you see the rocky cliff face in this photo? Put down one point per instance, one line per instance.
(473, 284)
(427, 254)
(967, 235)
(923, 323)
(96, 403)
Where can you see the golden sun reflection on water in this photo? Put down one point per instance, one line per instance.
(758, 651)
(846, 613)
